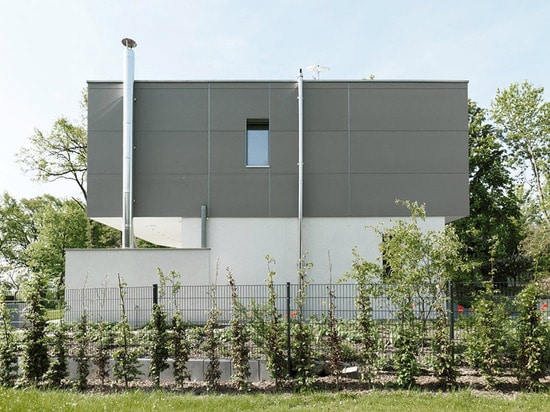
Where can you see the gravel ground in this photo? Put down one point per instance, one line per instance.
(505, 386)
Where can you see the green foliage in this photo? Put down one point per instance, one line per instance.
(60, 154)
(182, 348)
(34, 234)
(533, 338)
(417, 264)
(268, 331)
(334, 340)
(59, 360)
(523, 119)
(158, 340)
(240, 352)
(82, 340)
(486, 342)
(364, 274)
(8, 344)
(213, 372)
(126, 358)
(443, 363)
(35, 346)
(61, 225)
(102, 340)
(302, 353)
(407, 345)
(495, 206)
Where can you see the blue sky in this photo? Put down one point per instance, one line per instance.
(49, 49)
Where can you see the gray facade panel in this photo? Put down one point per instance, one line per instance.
(104, 195)
(284, 195)
(326, 195)
(283, 105)
(170, 152)
(236, 195)
(104, 152)
(227, 152)
(105, 107)
(181, 109)
(408, 152)
(326, 152)
(325, 109)
(365, 144)
(230, 108)
(170, 195)
(409, 109)
(283, 149)
(375, 194)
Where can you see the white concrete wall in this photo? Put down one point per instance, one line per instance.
(94, 268)
(241, 245)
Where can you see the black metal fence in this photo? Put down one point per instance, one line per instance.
(195, 302)
(104, 307)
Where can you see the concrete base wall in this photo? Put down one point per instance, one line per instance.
(196, 367)
(241, 245)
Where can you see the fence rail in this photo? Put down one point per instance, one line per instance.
(195, 302)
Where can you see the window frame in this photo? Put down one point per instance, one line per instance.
(257, 125)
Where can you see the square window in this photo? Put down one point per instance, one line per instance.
(257, 142)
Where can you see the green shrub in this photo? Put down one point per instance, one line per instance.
(35, 346)
(533, 343)
(240, 353)
(486, 342)
(8, 345)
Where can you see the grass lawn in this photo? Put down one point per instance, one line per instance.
(36, 400)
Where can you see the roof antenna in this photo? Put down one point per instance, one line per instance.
(318, 69)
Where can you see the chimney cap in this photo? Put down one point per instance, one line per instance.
(127, 42)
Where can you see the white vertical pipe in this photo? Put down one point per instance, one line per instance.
(127, 143)
(300, 165)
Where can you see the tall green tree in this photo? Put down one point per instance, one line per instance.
(61, 153)
(523, 119)
(522, 116)
(495, 208)
(34, 234)
(62, 225)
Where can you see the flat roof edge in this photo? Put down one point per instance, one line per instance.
(281, 81)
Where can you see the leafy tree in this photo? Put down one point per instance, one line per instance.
(213, 372)
(61, 225)
(126, 359)
(495, 208)
(59, 154)
(334, 338)
(82, 340)
(302, 355)
(533, 339)
(35, 346)
(240, 352)
(17, 231)
(523, 119)
(8, 343)
(58, 369)
(418, 265)
(486, 342)
(269, 333)
(365, 274)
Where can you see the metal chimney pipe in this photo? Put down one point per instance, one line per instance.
(300, 165)
(127, 143)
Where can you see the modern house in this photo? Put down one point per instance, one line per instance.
(227, 172)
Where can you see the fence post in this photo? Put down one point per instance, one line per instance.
(155, 294)
(288, 359)
(451, 312)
